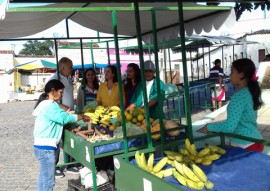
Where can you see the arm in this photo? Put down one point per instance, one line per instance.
(234, 113)
(80, 98)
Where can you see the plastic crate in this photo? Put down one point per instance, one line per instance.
(75, 185)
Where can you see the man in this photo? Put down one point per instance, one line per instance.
(216, 76)
(65, 71)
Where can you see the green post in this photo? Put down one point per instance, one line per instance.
(92, 55)
(140, 47)
(108, 53)
(170, 63)
(122, 106)
(165, 64)
(83, 77)
(186, 93)
(160, 100)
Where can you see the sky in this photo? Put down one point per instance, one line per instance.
(249, 22)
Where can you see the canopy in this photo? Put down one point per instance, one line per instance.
(97, 16)
(79, 66)
(36, 64)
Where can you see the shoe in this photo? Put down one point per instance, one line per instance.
(73, 170)
(59, 174)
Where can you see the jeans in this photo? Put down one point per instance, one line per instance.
(46, 159)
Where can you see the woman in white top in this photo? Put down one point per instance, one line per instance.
(91, 85)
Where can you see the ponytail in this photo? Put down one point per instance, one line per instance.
(42, 97)
(255, 91)
(247, 67)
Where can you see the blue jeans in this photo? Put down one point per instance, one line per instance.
(46, 159)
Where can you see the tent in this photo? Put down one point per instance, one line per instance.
(197, 18)
(79, 66)
(29, 67)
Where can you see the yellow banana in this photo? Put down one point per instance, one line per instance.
(115, 108)
(150, 162)
(143, 162)
(199, 173)
(217, 149)
(209, 185)
(160, 165)
(207, 162)
(204, 152)
(212, 157)
(137, 158)
(167, 172)
(195, 185)
(193, 150)
(190, 174)
(179, 168)
(187, 143)
(181, 179)
(198, 160)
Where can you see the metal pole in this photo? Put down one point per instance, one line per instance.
(186, 93)
(83, 77)
(122, 106)
(108, 53)
(140, 47)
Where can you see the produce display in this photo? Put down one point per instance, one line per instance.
(184, 169)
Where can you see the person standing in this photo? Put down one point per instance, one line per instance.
(91, 85)
(108, 92)
(151, 90)
(133, 80)
(49, 121)
(243, 107)
(65, 70)
(216, 76)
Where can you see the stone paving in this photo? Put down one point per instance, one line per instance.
(18, 167)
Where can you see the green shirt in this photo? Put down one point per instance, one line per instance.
(137, 97)
(241, 118)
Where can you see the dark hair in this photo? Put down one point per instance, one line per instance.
(51, 85)
(96, 84)
(217, 61)
(247, 67)
(114, 71)
(137, 74)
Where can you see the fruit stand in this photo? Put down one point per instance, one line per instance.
(235, 169)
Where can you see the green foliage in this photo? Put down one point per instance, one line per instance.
(37, 48)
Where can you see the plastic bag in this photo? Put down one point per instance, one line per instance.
(91, 106)
(171, 90)
(131, 130)
(102, 178)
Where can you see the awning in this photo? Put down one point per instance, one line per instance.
(205, 18)
(36, 64)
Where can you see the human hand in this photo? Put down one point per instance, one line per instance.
(86, 118)
(205, 130)
(70, 111)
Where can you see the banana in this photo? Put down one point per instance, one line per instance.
(179, 168)
(115, 108)
(143, 162)
(199, 173)
(181, 179)
(193, 150)
(187, 143)
(137, 158)
(198, 160)
(150, 162)
(212, 157)
(207, 162)
(209, 185)
(195, 185)
(160, 165)
(190, 174)
(217, 149)
(204, 152)
(167, 172)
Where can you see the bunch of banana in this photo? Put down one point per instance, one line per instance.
(93, 116)
(149, 167)
(195, 178)
(206, 156)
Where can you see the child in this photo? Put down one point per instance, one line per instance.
(49, 121)
(242, 109)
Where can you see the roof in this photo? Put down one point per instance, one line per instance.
(21, 22)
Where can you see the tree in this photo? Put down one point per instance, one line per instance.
(37, 48)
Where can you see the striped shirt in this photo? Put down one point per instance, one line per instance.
(215, 73)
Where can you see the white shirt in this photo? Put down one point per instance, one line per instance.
(68, 98)
(148, 88)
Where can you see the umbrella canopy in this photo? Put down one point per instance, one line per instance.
(36, 64)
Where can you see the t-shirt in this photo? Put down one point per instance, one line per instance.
(241, 118)
(215, 73)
